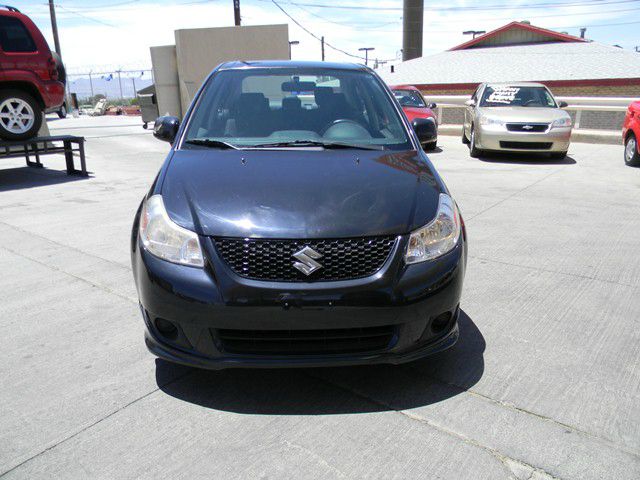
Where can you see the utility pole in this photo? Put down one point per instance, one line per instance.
(236, 12)
(120, 83)
(412, 14)
(583, 30)
(322, 44)
(292, 42)
(91, 83)
(54, 27)
(366, 53)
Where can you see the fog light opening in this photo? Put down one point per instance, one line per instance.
(167, 329)
(441, 322)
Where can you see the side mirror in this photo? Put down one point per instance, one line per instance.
(470, 103)
(432, 105)
(166, 128)
(563, 104)
(426, 130)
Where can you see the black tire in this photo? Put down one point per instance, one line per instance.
(631, 155)
(474, 151)
(430, 145)
(9, 129)
(62, 113)
(465, 140)
(559, 155)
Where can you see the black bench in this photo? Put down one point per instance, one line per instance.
(45, 146)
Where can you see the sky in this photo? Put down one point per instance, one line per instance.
(105, 35)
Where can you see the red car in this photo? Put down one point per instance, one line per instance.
(30, 80)
(415, 106)
(631, 135)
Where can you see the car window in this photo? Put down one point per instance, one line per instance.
(246, 107)
(409, 98)
(14, 36)
(514, 96)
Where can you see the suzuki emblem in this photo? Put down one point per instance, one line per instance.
(307, 260)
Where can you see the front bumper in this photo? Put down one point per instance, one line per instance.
(410, 301)
(499, 139)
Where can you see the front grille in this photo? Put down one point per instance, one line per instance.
(528, 127)
(341, 259)
(306, 342)
(527, 145)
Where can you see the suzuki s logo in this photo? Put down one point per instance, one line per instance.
(527, 127)
(307, 260)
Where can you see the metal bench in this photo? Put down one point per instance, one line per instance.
(38, 146)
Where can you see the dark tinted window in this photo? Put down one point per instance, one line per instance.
(409, 98)
(14, 36)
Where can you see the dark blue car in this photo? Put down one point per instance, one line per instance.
(297, 222)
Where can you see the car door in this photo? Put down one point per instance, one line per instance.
(469, 112)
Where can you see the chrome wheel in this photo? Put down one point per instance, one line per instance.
(16, 115)
(630, 149)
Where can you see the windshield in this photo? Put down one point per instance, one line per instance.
(506, 96)
(409, 98)
(276, 106)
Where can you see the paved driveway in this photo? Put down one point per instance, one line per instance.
(544, 382)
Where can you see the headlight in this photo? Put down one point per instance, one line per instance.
(438, 237)
(165, 239)
(561, 122)
(490, 121)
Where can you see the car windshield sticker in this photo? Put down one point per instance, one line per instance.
(503, 95)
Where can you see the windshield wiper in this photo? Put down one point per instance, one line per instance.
(317, 143)
(208, 142)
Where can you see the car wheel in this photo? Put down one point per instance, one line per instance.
(431, 145)
(558, 155)
(474, 151)
(62, 113)
(631, 155)
(465, 140)
(20, 115)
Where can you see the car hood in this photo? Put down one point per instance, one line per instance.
(299, 193)
(524, 114)
(418, 112)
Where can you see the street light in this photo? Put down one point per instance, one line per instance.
(292, 42)
(475, 33)
(366, 53)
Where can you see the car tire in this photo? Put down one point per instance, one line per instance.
(465, 140)
(20, 115)
(430, 145)
(559, 155)
(631, 155)
(474, 151)
(62, 113)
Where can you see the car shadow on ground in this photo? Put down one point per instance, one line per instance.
(524, 159)
(327, 391)
(29, 177)
(434, 150)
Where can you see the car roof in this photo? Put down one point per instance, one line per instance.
(514, 84)
(404, 87)
(290, 64)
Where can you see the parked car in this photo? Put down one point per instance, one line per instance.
(415, 106)
(516, 117)
(279, 235)
(631, 135)
(29, 76)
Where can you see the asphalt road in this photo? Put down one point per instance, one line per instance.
(544, 382)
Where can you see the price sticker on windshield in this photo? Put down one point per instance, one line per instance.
(503, 95)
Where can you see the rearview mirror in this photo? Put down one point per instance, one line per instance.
(432, 105)
(166, 128)
(563, 105)
(426, 130)
(470, 103)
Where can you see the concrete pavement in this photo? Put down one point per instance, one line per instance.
(544, 383)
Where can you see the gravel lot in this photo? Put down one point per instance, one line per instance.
(544, 382)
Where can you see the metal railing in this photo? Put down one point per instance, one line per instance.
(577, 107)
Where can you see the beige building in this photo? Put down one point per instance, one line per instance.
(180, 69)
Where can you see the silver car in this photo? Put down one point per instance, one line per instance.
(516, 117)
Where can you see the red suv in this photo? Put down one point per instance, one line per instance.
(30, 80)
(631, 135)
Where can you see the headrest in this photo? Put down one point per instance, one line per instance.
(291, 103)
(322, 95)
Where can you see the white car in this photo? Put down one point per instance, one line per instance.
(516, 117)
